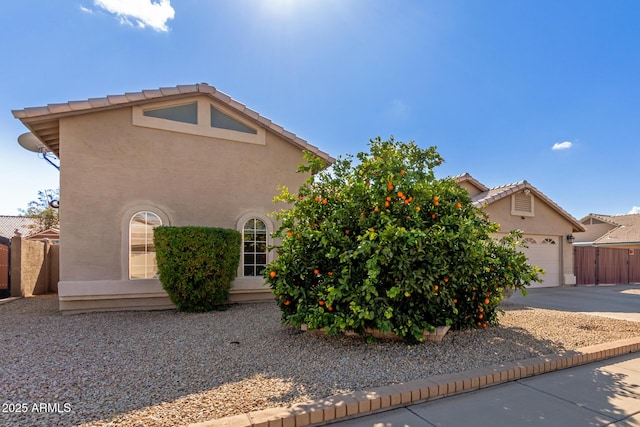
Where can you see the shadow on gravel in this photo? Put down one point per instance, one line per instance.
(167, 368)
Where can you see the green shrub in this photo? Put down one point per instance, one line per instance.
(383, 244)
(197, 265)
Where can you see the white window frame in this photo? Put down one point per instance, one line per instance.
(240, 227)
(126, 238)
(203, 127)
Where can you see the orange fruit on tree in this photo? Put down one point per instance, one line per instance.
(317, 199)
(446, 279)
(436, 198)
(417, 208)
(455, 301)
(458, 206)
(272, 274)
(346, 232)
(376, 209)
(386, 204)
(287, 302)
(480, 316)
(290, 233)
(321, 302)
(324, 201)
(330, 308)
(403, 172)
(435, 288)
(436, 203)
(316, 271)
(390, 186)
(487, 301)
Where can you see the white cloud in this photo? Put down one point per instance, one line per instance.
(398, 109)
(562, 145)
(145, 13)
(86, 10)
(635, 210)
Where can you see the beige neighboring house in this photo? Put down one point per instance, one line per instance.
(548, 229)
(613, 231)
(185, 155)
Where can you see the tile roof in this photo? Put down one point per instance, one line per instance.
(627, 230)
(9, 224)
(494, 194)
(44, 121)
(466, 177)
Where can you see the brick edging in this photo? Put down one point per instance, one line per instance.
(367, 402)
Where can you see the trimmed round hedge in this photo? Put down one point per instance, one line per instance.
(197, 265)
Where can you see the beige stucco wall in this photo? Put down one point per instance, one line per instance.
(111, 169)
(471, 189)
(34, 267)
(594, 231)
(545, 222)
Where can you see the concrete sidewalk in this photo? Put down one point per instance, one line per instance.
(605, 393)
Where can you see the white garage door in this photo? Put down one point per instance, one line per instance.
(544, 251)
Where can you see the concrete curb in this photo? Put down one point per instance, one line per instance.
(361, 403)
(8, 300)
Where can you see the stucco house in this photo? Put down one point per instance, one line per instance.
(185, 155)
(548, 229)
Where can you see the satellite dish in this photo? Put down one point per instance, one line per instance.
(29, 142)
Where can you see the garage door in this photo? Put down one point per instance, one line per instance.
(544, 251)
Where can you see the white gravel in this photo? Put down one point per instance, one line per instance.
(169, 368)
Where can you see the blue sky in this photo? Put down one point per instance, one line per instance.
(494, 84)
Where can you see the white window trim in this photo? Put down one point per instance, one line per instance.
(203, 127)
(240, 227)
(125, 245)
(522, 213)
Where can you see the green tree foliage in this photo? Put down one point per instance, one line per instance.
(42, 212)
(381, 243)
(197, 265)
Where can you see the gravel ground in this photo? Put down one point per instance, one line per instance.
(169, 368)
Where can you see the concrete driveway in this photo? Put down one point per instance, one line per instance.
(615, 301)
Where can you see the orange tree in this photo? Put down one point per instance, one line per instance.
(381, 243)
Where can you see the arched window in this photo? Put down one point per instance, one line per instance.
(548, 241)
(142, 252)
(254, 247)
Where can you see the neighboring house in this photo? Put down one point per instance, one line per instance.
(609, 250)
(620, 231)
(548, 229)
(187, 155)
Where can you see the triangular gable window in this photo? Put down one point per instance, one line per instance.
(222, 121)
(181, 113)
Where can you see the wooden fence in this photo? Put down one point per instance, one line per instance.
(596, 265)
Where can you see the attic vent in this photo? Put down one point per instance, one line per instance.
(522, 203)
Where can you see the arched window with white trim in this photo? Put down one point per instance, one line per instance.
(142, 252)
(254, 247)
